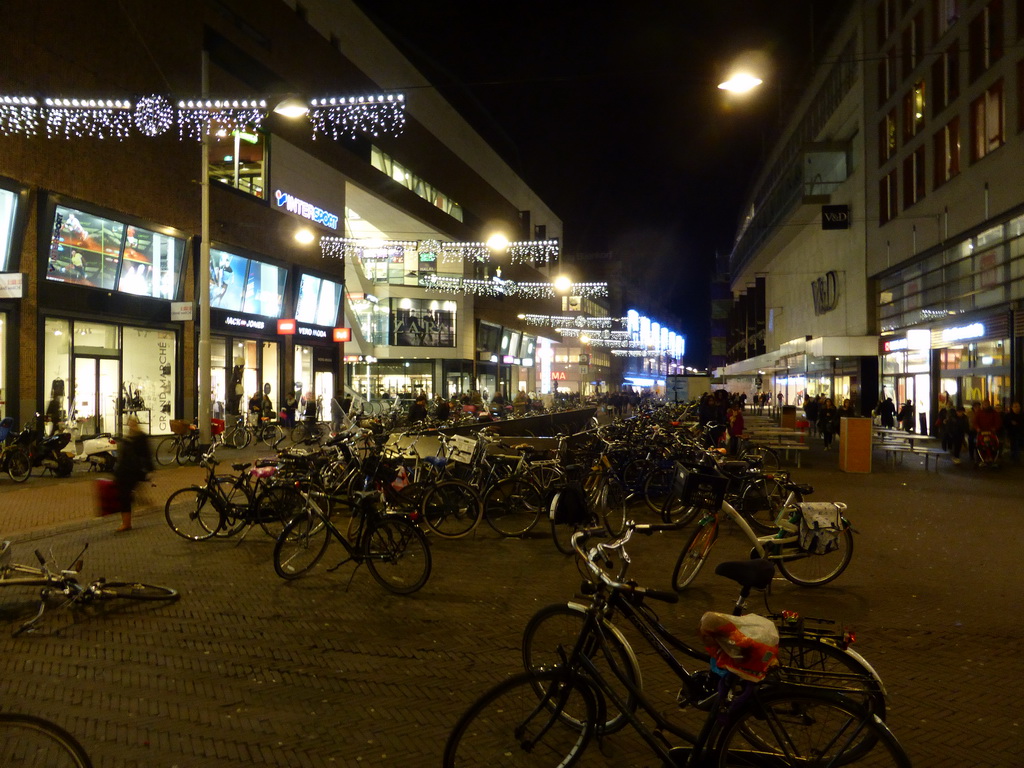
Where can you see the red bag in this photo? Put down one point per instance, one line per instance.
(107, 496)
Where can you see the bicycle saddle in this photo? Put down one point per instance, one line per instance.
(754, 574)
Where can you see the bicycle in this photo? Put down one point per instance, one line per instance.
(15, 461)
(810, 645)
(585, 499)
(550, 716)
(805, 555)
(183, 445)
(243, 431)
(64, 583)
(393, 547)
(32, 742)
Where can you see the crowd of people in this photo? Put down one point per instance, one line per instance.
(981, 429)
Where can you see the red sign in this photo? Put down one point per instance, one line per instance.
(286, 327)
(558, 376)
(343, 334)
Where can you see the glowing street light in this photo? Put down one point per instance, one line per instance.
(562, 284)
(741, 82)
(497, 242)
(292, 107)
(304, 235)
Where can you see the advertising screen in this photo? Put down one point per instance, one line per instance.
(513, 343)
(150, 263)
(264, 289)
(318, 301)
(227, 280)
(85, 249)
(488, 338)
(309, 292)
(327, 307)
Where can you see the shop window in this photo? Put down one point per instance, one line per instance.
(423, 323)
(946, 150)
(987, 122)
(985, 39)
(241, 284)
(147, 368)
(8, 207)
(238, 159)
(887, 197)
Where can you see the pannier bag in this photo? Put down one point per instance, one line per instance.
(821, 523)
(745, 645)
(107, 497)
(568, 506)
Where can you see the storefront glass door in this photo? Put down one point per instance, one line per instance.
(97, 384)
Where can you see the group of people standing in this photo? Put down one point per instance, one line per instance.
(958, 427)
(823, 416)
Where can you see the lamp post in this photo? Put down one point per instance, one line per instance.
(205, 384)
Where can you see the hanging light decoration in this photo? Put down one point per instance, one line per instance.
(499, 287)
(538, 252)
(580, 321)
(362, 249)
(18, 115)
(204, 117)
(337, 117)
(92, 118)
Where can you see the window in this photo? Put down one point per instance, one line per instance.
(318, 300)
(912, 44)
(240, 284)
(239, 159)
(946, 14)
(388, 165)
(886, 19)
(887, 197)
(947, 152)
(985, 37)
(913, 177)
(423, 322)
(987, 122)
(945, 79)
(8, 207)
(913, 111)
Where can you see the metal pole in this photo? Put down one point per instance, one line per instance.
(205, 384)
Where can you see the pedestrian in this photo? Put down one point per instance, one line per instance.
(442, 409)
(290, 404)
(846, 411)
(418, 409)
(906, 417)
(134, 463)
(957, 427)
(828, 422)
(255, 405)
(1012, 424)
(735, 416)
(266, 404)
(811, 407)
(887, 413)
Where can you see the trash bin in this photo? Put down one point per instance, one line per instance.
(788, 417)
(855, 444)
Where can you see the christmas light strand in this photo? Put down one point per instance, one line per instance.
(18, 115)
(446, 252)
(499, 287)
(92, 118)
(579, 321)
(538, 252)
(346, 117)
(362, 249)
(203, 118)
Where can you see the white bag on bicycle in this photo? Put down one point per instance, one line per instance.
(744, 645)
(821, 523)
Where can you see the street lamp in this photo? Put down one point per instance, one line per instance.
(741, 82)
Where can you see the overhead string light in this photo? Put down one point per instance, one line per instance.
(579, 321)
(203, 117)
(362, 249)
(498, 287)
(537, 252)
(92, 118)
(455, 253)
(338, 117)
(18, 115)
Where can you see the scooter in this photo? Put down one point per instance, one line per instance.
(49, 452)
(100, 452)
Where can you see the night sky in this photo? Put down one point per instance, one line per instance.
(610, 112)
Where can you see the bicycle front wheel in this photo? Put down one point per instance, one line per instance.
(271, 435)
(191, 513)
(512, 506)
(237, 437)
(780, 727)
(812, 570)
(552, 633)
(452, 509)
(301, 545)
(694, 554)
(36, 743)
(166, 451)
(515, 725)
(762, 500)
(125, 590)
(19, 465)
(768, 458)
(397, 554)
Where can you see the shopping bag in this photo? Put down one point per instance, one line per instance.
(107, 497)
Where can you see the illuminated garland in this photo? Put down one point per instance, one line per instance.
(579, 321)
(446, 252)
(499, 287)
(533, 252)
(361, 249)
(154, 115)
(374, 115)
(453, 253)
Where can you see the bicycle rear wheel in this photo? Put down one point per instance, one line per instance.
(271, 435)
(452, 509)
(514, 725)
(192, 514)
(239, 504)
(166, 451)
(397, 555)
(512, 506)
(125, 590)
(301, 545)
(19, 465)
(761, 501)
(36, 743)
(812, 570)
(767, 456)
(810, 661)
(781, 727)
(237, 436)
(694, 554)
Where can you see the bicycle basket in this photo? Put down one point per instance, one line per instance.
(463, 448)
(699, 489)
(180, 426)
(216, 426)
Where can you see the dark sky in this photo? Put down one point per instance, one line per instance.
(610, 111)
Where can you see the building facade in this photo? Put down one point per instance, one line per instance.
(100, 243)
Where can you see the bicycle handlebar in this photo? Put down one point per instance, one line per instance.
(601, 552)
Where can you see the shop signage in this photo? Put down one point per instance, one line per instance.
(11, 285)
(558, 376)
(245, 322)
(306, 210)
(181, 310)
(311, 332)
(961, 332)
(895, 345)
(343, 334)
(825, 292)
(507, 359)
(286, 327)
(835, 217)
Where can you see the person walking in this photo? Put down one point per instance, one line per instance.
(957, 428)
(1012, 424)
(906, 417)
(134, 463)
(811, 407)
(828, 422)
(290, 404)
(887, 413)
(735, 416)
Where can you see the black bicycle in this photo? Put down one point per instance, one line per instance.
(27, 741)
(391, 545)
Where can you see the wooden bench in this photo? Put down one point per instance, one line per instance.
(786, 447)
(894, 452)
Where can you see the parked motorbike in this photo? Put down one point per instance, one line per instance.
(100, 452)
(49, 452)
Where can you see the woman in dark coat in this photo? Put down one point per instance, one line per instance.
(828, 422)
(134, 463)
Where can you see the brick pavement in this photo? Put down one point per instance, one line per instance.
(330, 670)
